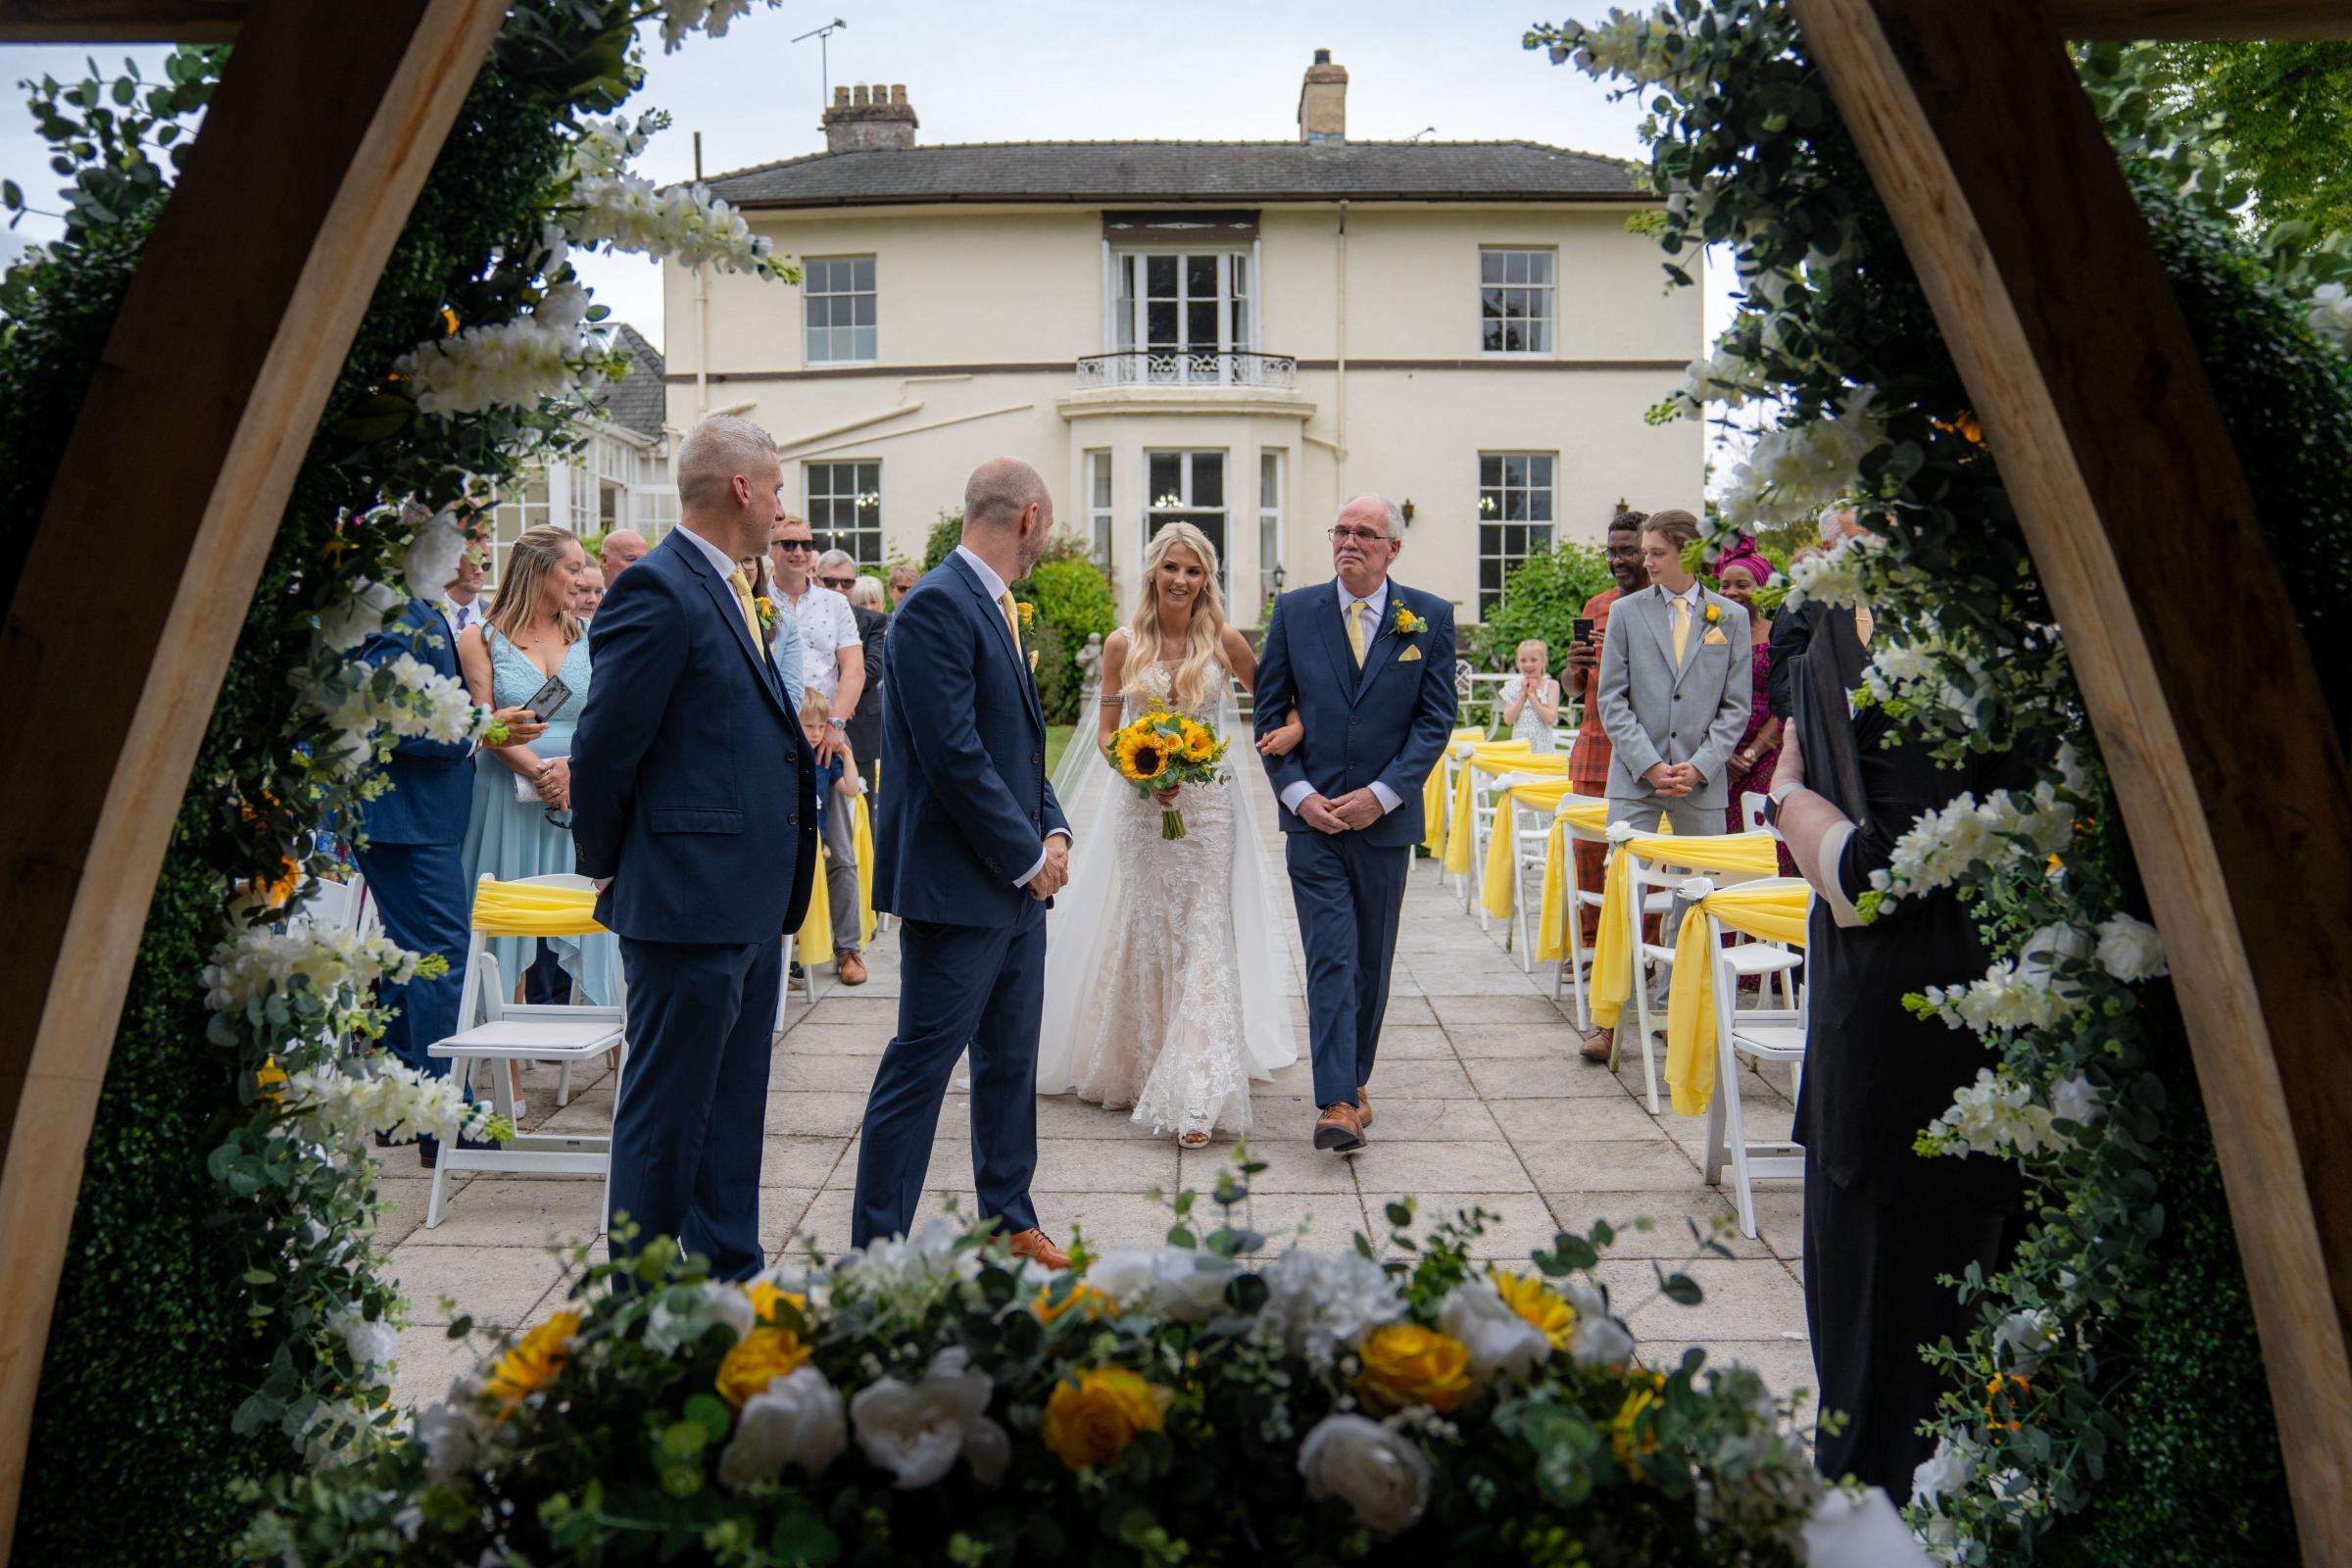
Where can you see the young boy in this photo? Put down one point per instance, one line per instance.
(836, 828)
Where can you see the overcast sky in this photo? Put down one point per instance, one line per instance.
(1038, 70)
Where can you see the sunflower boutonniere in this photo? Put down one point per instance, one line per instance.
(1405, 623)
(766, 608)
(1026, 610)
(1714, 614)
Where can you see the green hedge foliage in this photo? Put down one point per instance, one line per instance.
(1541, 597)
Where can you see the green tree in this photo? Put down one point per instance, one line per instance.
(2279, 115)
(1073, 602)
(947, 532)
(1541, 597)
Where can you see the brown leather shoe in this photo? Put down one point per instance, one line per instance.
(1341, 1127)
(1036, 1244)
(850, 969)
(1598, 1044)
(1363, 1107)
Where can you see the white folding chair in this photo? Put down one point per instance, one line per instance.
(792, 944)
(494, 1030)
(1526, 852)
(1658, 890)
(1751, 813)
(330, 907)
(1766, 1034)
(1576, 965)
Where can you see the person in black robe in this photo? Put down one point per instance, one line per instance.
(1882, 1223)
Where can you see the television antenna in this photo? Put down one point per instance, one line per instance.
(1426, 130)
(824, 65)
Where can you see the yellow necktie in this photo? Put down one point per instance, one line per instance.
(1013, 618)
(1863, 623)
(1356, 629)
(1682, 629)
(742, 596)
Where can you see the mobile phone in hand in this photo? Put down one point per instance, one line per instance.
(1584, 628)
(549, 699)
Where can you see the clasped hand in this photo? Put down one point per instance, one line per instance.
(1054, 875)
(1350, 813)
(1673, 779)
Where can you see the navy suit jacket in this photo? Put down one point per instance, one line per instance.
(692, 786)
(1388, 722)
(965, 804)
(432, 792)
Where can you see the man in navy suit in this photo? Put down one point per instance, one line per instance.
(693, 807)
(412, 833)
(1368, 663)
(969, 849)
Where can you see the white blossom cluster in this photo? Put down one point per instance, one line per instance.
(504, 365)
(340, 966)
(336, 1106)
(680, 18)
(1793, 471)
(1943, 846)
(605, 146)
(2011, 996)
(408, 697)
(2332, 315)
(1319, 1303)
(911, 1272)
(1174, 1283)
(1723, 377)
(683, 224)
(1995, 1115)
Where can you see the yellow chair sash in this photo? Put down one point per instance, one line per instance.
(1591, 813)
(1433, 792)
(861, 837)
(813, 942)
(1772, 911)
(1500, 888)
(1503, 756)
(524, 909)
(1755, 853)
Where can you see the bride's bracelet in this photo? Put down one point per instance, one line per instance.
(1112, 702)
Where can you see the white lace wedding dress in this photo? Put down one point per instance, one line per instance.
(1162, 956)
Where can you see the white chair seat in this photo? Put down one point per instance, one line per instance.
(528, 1039)
(1760, 957)
(1777, 1042)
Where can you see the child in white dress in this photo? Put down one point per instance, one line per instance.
(1531, 698)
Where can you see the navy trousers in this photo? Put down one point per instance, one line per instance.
(543, 982)
(1349, 896)
(419, 893)
(985, 985)
(687, 1134)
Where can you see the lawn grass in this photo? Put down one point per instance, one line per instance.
(1058, 737)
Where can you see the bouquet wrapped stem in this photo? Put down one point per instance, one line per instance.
(1161, 751)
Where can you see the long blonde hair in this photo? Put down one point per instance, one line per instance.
(529, 560)
(1201, 658)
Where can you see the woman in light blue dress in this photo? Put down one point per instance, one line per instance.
(530, 635)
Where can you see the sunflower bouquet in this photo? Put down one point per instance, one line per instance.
(1162, 750)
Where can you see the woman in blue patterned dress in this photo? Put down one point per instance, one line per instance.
(521, 822)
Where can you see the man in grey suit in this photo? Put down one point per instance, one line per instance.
(1675, 688)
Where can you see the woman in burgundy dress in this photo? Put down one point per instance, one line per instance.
(1739, 573)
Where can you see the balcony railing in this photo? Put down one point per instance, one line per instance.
(1188, 368)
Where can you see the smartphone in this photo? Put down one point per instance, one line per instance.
(1584, 628)
(549, 699)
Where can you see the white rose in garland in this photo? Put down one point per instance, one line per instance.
(1171, 1283)
(372, 1343)
(1382, 1475)
(685, 1313)
(1319, 1301)
(795, 1421)
(1500, 1342)
(1600, 1339)
(916, 1431)
(451, 1433)
(2131, 949)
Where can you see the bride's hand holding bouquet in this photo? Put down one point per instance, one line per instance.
(1163, 751)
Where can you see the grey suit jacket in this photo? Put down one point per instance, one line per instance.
(1656, 714)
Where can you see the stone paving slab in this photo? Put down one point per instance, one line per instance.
(1481, 1098)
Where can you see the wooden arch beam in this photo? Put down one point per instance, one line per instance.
(231, 338)
(2210, 716)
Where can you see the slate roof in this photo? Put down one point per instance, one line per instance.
(1122, 171)
(637, 399)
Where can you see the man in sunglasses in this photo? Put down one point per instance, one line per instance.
(837, 569)
(833, 665)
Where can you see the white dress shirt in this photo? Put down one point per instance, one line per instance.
(1375, 602)
(827, 624)
(995, 588)
(472, 612)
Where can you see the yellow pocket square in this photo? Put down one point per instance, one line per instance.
(1408, 656)
(1713, 638)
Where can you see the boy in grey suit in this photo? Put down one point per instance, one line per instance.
(1675, 690)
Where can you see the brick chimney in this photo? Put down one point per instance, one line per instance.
(1323, 102)
(863, 118)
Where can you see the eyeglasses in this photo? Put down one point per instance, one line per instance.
(793, 547)
(841, 585)
(1361, 536)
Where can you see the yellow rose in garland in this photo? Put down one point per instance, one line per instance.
(1539, 1303)
(1407, 1364)
(767, 1295)
(758, 1360)
(1082, 1299)
(1090, 1422)
(533, 1363)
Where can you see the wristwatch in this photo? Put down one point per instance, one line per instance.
(839, 723)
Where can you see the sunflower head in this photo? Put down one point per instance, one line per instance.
(1142, 755)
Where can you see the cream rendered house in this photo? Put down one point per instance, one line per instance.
(1236, 333)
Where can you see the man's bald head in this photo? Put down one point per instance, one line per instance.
(619, 551)
(1007, 512)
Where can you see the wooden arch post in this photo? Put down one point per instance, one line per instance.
(231, 337)
(2040, 269)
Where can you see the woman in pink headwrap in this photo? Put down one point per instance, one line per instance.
(1739, 573)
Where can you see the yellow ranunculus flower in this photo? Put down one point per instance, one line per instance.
(1537, 1301)
(1628, 1434)
(765, 1295)
(1083, 1299)
(533, 1363)
(758, 1360)
(1407, 1364)
(271, 1080)
(1090, 1422)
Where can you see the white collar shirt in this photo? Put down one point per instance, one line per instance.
(1374, 604)
(720, 561)
(827, 624)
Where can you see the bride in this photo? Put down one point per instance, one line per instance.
(1149, 1002)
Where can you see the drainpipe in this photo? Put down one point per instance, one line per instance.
(702, 316)
(1339, 389)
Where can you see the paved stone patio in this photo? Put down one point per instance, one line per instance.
(1481, 1100)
